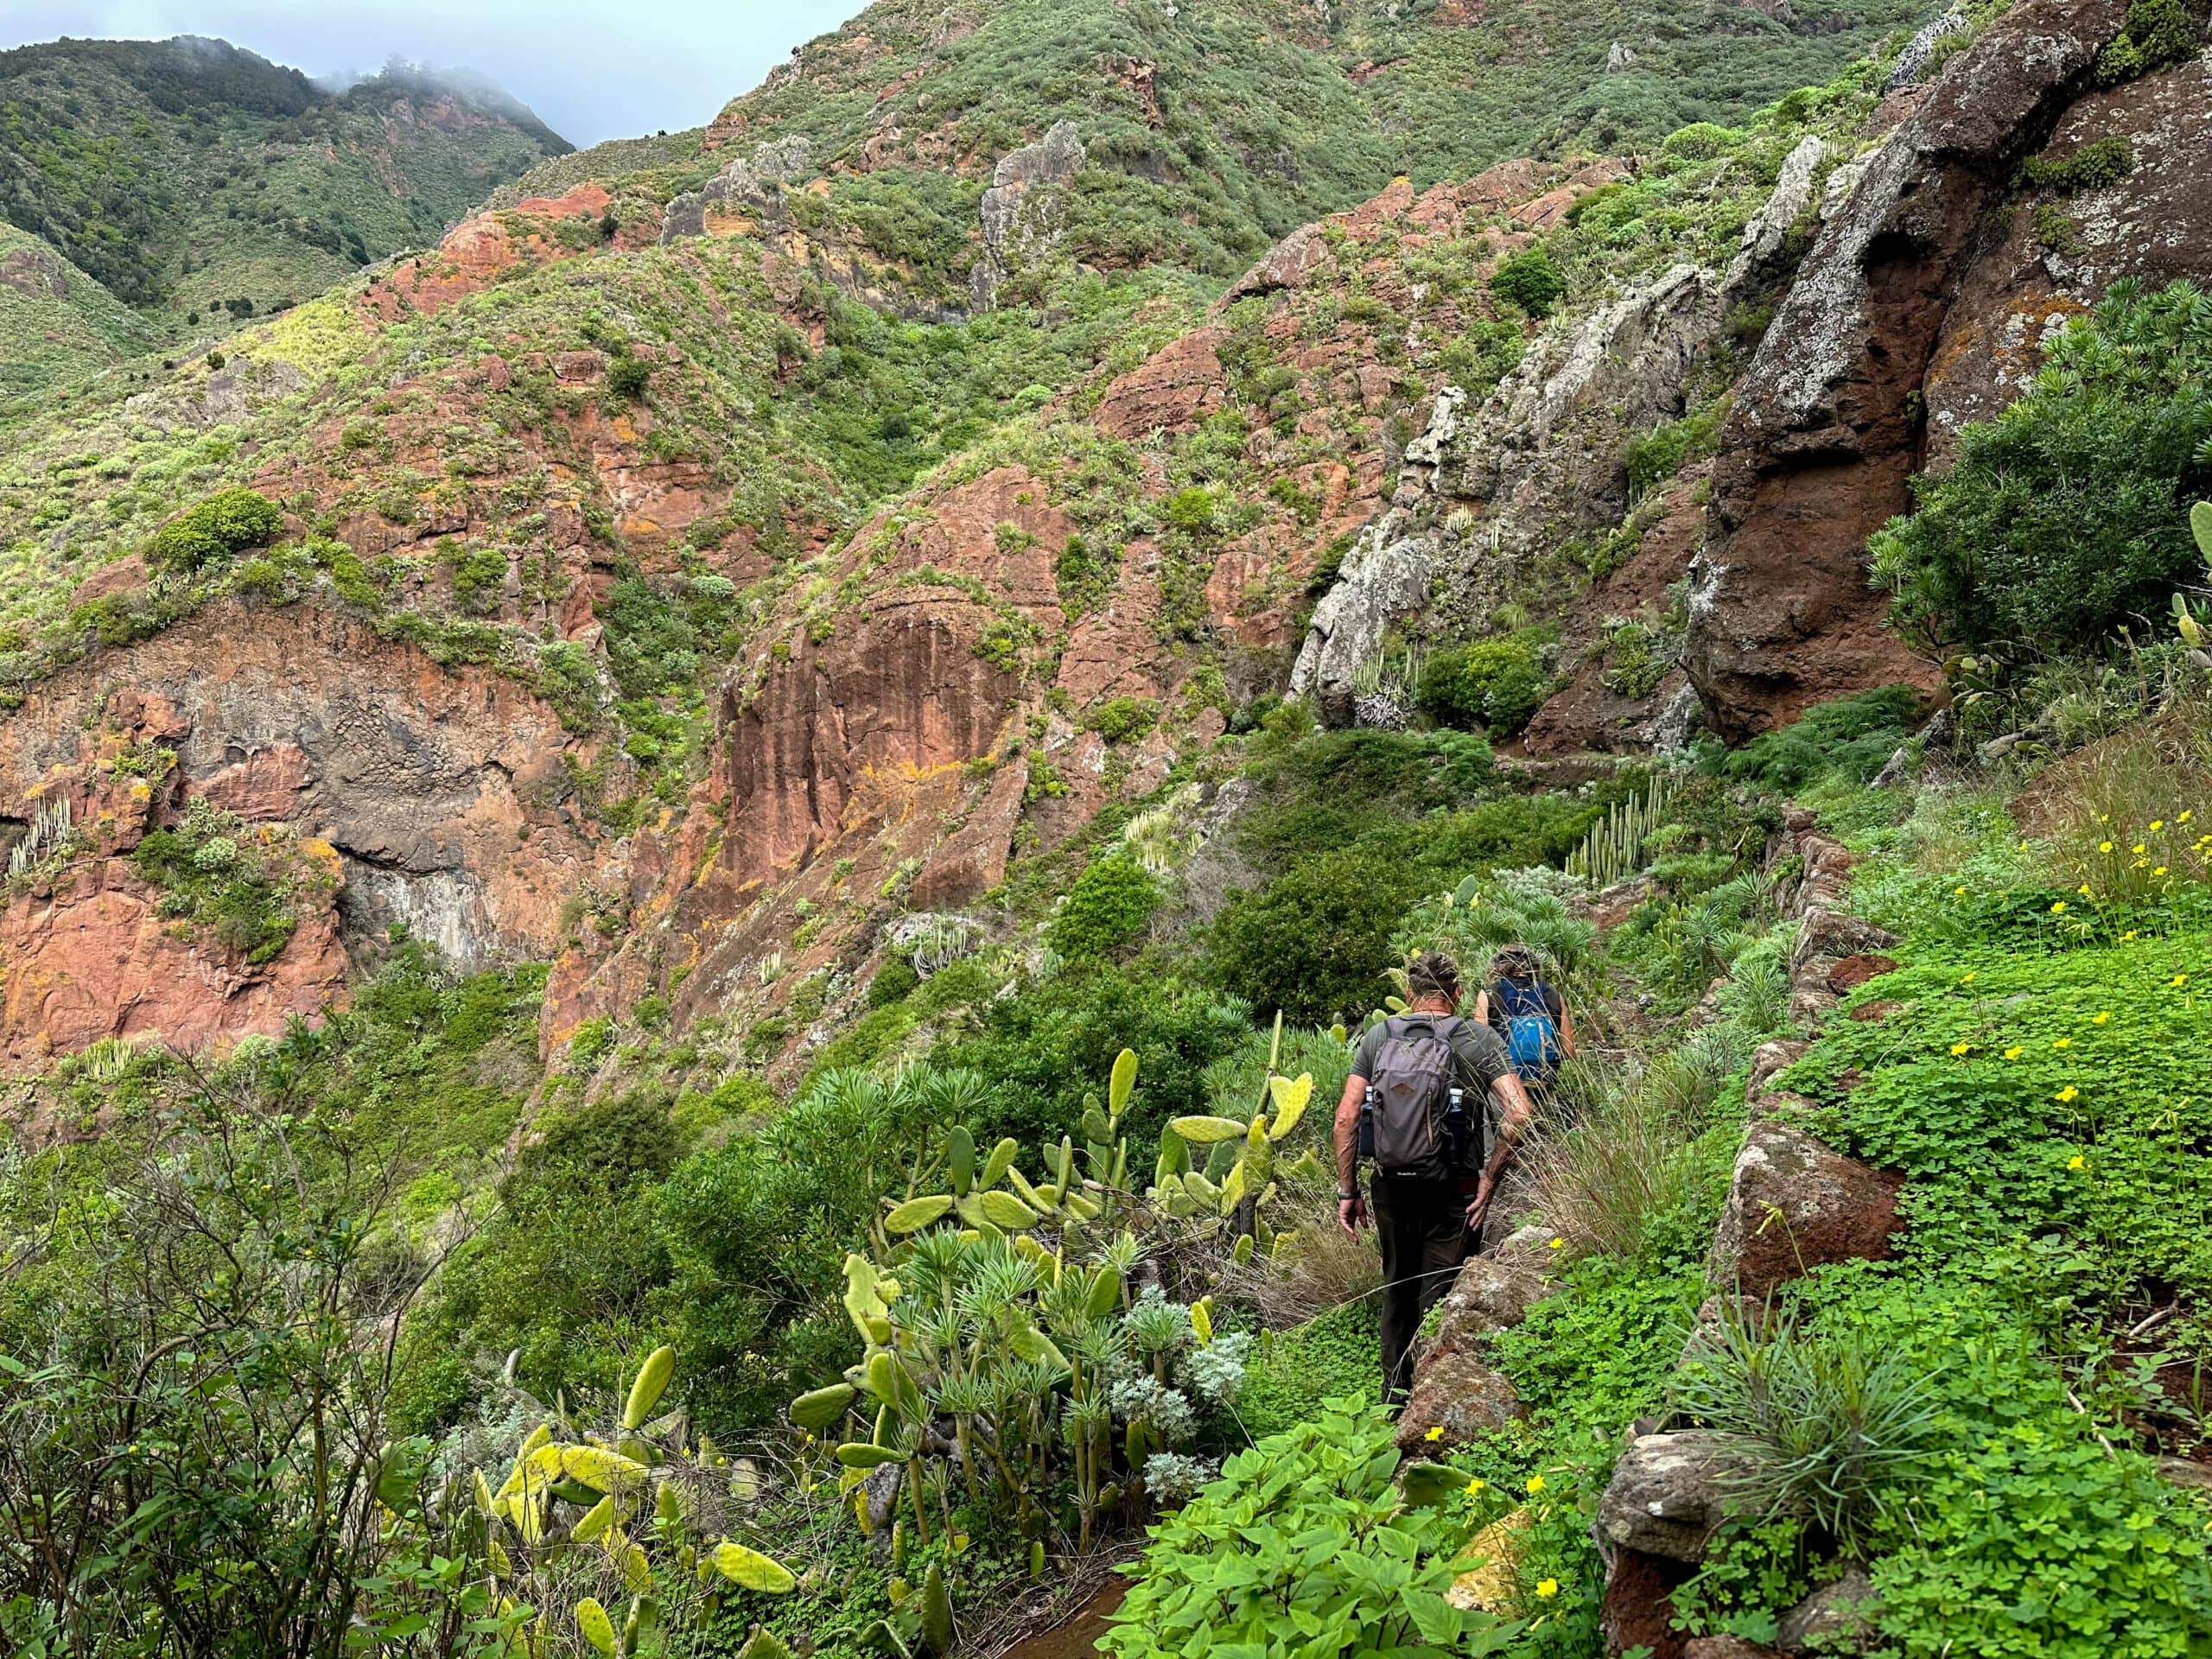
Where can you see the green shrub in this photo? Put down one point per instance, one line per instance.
(1495, 685)
(1314, 942)
(1105, 913)
(892, 982)
(1303, 1547)
(1123, 720)
(1192, 511)
(2100, 163)
(1041, 1050)
(2158, 33)
(1658, 455)
(2066, 516)
(628, 377)
(1529, 280)
(1850, 738)
(1700, 141)
(227, 522)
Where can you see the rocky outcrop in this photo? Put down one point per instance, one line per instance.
(89, 954)
(1020, 211)
(1795, 1204)
(439, 790)
(1456, 1390)
(2152, 224)
(1671, 1493)
(1836, 1619)
(1538, 462)
(1825, 430)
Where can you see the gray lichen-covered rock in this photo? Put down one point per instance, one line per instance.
(1482, 491)
(1919, 52)
(1021, 211)
(1384, 580)
(1670, 1494)
(1795, 1204)
(1541, 458)
(1764, 235)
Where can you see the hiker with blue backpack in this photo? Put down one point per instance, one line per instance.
(1415, 1105)
(1528, 1014)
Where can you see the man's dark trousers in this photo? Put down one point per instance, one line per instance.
(1421, 1225)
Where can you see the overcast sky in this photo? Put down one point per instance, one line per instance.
(592, 69)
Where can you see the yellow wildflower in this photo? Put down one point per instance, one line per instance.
(2179, 981)
(2104, 846)
(2076, 1161)
(1559, 1245)
(2127, 936)
(1535, 1484)
(1961, 1048)
(2156, 824)
(2063, 1042)
(1966, 979)
(2161, 870)
(2069, 1093)
(2013, 1052)
(1547, 1588)
(2186, 816)
(2083, 889)
(1436, 1434)
(2103, 1018)
(2137, 848)
(2058, 909)
(1958, 892)
(1475, 1486)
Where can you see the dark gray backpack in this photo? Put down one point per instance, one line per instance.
(1413, 1080)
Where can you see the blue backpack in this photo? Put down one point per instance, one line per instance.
(1531, 1034)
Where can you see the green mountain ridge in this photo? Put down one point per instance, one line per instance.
(201, 184)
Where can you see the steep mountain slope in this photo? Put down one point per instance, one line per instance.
(857, 509)
(54, 320)
(203, 184)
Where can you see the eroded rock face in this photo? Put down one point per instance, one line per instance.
(1537, 462)
(2152, 225)
(1827, 427)
(1795, 1204)
(438, 789)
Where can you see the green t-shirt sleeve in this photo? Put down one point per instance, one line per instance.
(1480, 1054)
(1363, 1057)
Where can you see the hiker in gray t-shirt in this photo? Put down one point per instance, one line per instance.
(1425, 1219)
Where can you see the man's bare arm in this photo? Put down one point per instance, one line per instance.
(1350, 1211)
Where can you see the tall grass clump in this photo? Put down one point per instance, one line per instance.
(1832, 1429)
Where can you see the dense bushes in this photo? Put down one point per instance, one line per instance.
(1529, 280)
(1850, 738)
(2066, 517)
(1496, 685)
(1106, 911)
(227, 522)
(1328, 1557)
(1315, 942)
